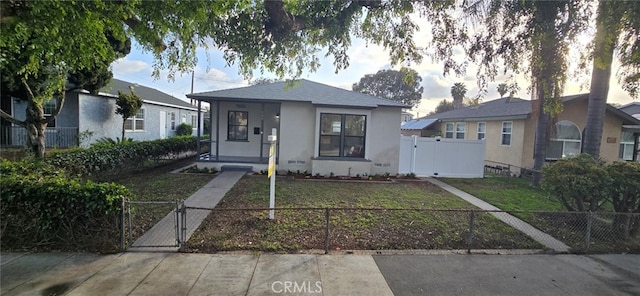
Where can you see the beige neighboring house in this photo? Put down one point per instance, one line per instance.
(508, 127)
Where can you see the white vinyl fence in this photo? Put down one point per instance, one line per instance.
(437, 157)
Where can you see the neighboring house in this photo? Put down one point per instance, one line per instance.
(406, 116)
(419, 127)
(632, 109)
(83, 114)
(321, 129)
(508, 127)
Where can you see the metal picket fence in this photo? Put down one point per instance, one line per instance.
(329, 229)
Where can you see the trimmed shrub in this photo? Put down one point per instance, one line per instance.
(115, 158)
(184, 130)
(625, 196)
(581, 183)
(41, 208)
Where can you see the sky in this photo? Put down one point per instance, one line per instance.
(212, 73)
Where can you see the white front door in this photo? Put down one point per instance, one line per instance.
(163, 124)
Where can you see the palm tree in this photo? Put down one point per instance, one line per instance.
(613, 19)
(458, 90)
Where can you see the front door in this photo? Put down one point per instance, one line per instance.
(163, 124)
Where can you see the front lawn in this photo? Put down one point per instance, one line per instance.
(362, 216)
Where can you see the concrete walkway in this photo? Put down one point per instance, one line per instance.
(163, 233)
(154, 273)
(539, 236)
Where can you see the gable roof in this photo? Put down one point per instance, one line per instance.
(507, 108)
(302, 91)
(149, 95)
(417, 124)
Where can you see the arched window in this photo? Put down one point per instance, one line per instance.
(566, 141)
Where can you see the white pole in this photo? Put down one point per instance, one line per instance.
(272, 172)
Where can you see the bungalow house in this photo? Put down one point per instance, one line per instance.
(508, 127)
(87, 117)
(321, 129)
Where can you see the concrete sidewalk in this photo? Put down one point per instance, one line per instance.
(163, 232)
(141, 273)
(524, 227)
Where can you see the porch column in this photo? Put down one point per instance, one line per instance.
(199, 132)
(217, 130)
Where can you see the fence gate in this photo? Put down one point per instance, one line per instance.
(152, 224)
(439, 157)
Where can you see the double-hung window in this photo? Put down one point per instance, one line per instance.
(626, 146)
(460, 130)
(482, 130)
(194, 121)
(342, 135)
(136, 122)
(448, 130)
(172, 120)
(507, 128)
(238, 126)
(49, 107)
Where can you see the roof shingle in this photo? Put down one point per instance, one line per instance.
(145, 93)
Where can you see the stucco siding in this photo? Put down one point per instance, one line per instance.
(297, 130)
(384, 138)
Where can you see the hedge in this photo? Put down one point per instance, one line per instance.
(41, 208)
(101, 159)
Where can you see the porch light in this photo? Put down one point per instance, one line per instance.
(277, 115)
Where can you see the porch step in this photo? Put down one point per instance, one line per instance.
(242, 168)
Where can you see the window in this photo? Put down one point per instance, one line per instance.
(172, 119)
(626, 146)
(507, 127)
(237, 129)
(49, 107)
(448, 131)
(565, 142)
(194, 121)
(460, 129)
(482, 130)
(135, 123)
(184, 118)
(342, 135)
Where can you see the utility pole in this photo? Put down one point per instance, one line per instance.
(192, 75)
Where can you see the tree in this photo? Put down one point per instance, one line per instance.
(444, 106)
(401, 86)
(128, 106)
(43, 41)
(264, 80)
(458, 91)
(503, 88)
(508, 32)
(617, 27)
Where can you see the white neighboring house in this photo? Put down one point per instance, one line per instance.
(84, 113)
(321, 129)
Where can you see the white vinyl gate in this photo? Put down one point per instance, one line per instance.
(437, 157)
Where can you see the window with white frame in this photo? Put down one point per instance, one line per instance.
(194, 121)
(135, 123)
(49, 107)
(482, 130)
(626, 146)
(238, 126)
(184, 118)
(448, 131)
(342, 135)
(507, 128)
(172, 120)
(566, 141)
(461, 127)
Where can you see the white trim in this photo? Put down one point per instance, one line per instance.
(484, 133)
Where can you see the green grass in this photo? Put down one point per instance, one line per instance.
(509, 194)
(353, 224)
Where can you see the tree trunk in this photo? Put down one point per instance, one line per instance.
(123, 121)
(540, 144)
(457, 103)
(36, 126)
(605, 39)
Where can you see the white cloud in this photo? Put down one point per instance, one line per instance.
(125, 66)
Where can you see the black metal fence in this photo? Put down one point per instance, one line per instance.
(336, 229)
(58, 137)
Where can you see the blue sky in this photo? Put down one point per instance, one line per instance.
(211, 73)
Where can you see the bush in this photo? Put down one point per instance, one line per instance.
(581, 183)
(184, 130)
(43, 208)
(108, 142)
(113, 158)
(625, 196)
